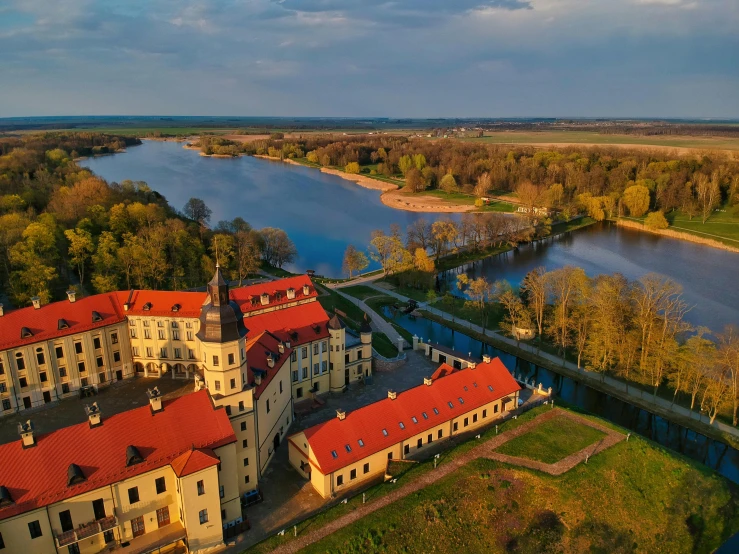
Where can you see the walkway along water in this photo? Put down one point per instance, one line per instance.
(672, 426)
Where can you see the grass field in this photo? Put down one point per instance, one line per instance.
(384, 345)
(552, 441)
(722, 225)
(333, 301)
(633, 497)
(361, 291)
(585, 137)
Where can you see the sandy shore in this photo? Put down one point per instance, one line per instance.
(676, 235)
(391, 196)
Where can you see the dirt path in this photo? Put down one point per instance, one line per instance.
(484, 450)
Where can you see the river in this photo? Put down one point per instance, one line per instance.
(324, 213)
(715, 454)
(321, 213)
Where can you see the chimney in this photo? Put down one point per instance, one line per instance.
(427, 381)
(257, 378)
(471, 365)
(281, 348)
(341, 414)
(2, 313)
(306, 290)
(71, 295)
(392, 395)
(270, 360)
(25, 430)
(93, 415)
(155, 399)
(127, 304)
(290, 293)
(36, 302)
(486, 358)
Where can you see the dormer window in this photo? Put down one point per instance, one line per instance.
(348, 448)
(133, 456)
(334, 454)
(147, 306)
(290, 293)
(5, 498)
(264, 298)
(62, 324)
(96, 317)
(414, 420)
(176, 308)
(74, 475)
(26, 333)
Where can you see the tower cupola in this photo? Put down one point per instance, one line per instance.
(220, 318)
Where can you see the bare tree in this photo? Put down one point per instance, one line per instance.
(728, 351)
(709, 193)
(419, 234)
(534, 290)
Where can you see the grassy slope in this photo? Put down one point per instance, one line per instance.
(634, 497)
(721, 225)
(552, 441)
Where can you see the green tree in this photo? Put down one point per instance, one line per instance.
(636, 199)
(448, 183)
(105, 262)
(405, 163)
(81, 248)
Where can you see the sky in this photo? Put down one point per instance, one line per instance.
(378, 58)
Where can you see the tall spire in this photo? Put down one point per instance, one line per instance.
(220, 319)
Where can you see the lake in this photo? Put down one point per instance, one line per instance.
(321, 213)
(709, 276)
(324, 213)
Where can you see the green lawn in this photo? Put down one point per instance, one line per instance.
(276, 271)
(634, 497)
(384, 345)
(361, 291)
(461, 309)
(722, 225)
(552, 441)
(332, 301)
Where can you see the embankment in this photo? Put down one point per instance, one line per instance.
(676, 235)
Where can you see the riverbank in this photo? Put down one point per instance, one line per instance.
(630, 224)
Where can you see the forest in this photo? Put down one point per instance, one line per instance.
(600, 181)
(62, 227)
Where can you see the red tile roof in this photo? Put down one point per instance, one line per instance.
(257, 349)
(162, 302)
(367, 423)
(44, 322)
(249, 298)
(193, 461)
(37, 476)
(297, 324)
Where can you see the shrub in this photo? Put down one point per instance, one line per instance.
(352, 167)
(656, 220)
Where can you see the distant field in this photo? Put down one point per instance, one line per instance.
(582, 137)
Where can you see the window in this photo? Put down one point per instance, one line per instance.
(419, 444)
(147, 334)
(34, 527)
(243, 425)
(450, 404)
(215, 360)
(59, 351)
(359, 354)
(456, 426)
(81, 367)
(221, 491)
(188, 324)
(160, 323)
(246, 479)
(490, 387)
(218, 385)
(133, 333)
(495, 409)
(175, 335)
(402, 425)
(149, 352)
(305, 352)
(461, 400)
(299, 392)
(231, 359)
(389, 455)
(315, 349)
(348, 448)
(203, 515)
(384, 432)
(163, 516)
(430, 438)
(133, 495)
(96, 343)
(268, 405)
(323, 346)
(23, 382)
(305, 373)
(294, 356)
(414, 420)
(241, 405)
(62, 372)
(98, 508)
(40, 359)
(201, 489)
(190, 354)
(324, 366)
(99, 361)
(108, 537)
(334, 454)
(244, 443)
(3, 387)
(178, 353)
(315, 368)
(78, 347)
(339, 480)
(162, 352)
(466, 421)
(406, 448)
(101, 377)
(436, 411)
(366, 468)
(116, 356)
(189, 335)
(425, 415)
(161, 485)
(65, 388)
(353, 474)
(484, 414)
(474, 418)
(174, 325)
(83, 381)
(43, 377)
(361, 442)
(280, 386)
(246, 462)
(440, 434)
(295, 375)
(65, 520)
(20, 363)
(137, 526)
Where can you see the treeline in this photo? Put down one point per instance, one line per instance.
(604, 182)
(61, 227)
(634, 330)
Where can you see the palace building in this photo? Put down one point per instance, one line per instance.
(256, 349)
(356, 446)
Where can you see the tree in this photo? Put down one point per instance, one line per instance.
(448, 183)
(196, 210)
(419, 234)
(636, 199)
(351, 167)
(443, 232)
(222, 249)
(422, 262)
(656, 220)
(480, 292)
(405, 163)
(388, 251)
(105, 262)
(699, 355)
(33, 259)
(708, 192)
(566, 286)
(484, 184)
(354, 260)
(419, 160)
(247, 252)
(278, 248)
(517, 316)
(534, 288)
(414, 181)
(530, 195)
(728, 355)
(81, 248)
